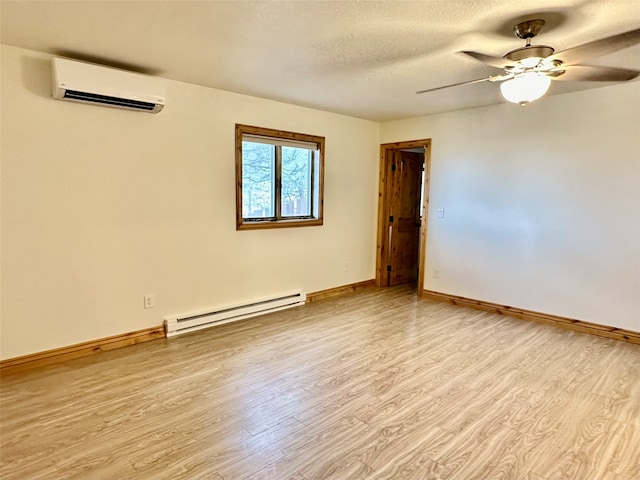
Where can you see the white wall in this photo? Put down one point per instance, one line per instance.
(542, 204)
(101, 206)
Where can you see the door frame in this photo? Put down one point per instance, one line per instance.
(386, 150)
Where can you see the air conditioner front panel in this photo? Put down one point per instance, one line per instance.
(88, 83)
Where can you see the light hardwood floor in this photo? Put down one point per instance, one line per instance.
(377, 384)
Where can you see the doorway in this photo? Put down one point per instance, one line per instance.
(403, 200)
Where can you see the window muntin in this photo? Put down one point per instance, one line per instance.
(279, 178)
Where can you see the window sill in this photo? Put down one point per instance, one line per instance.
(258, 225)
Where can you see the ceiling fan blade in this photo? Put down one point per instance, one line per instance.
(597, 48)
(589, 73)
(497, 78)
(488, 59)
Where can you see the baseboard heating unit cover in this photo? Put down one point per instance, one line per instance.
(191, 322)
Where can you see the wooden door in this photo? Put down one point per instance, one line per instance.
(404, 217)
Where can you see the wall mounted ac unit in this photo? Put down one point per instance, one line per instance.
(109, 87)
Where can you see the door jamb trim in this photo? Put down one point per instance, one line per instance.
(383, 206)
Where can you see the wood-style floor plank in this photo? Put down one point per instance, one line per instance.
(376, 384)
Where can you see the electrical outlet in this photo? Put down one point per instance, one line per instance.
(436, 273)
(149, 301)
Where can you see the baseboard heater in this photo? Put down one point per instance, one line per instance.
(191, 322)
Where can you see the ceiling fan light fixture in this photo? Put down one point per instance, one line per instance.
(526, 87)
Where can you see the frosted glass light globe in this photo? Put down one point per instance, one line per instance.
(525, 88)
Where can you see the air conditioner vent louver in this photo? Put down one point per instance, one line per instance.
(106, 100)
(108, 87)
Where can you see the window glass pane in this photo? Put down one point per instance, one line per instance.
(258, 180)
(296, 181)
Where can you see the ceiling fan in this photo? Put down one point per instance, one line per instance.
(528, 70)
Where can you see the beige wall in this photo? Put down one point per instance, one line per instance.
(101, 206)
(542, 204)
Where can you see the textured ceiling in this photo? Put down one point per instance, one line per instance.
(360, 58)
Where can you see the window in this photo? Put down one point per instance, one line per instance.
(279, 178)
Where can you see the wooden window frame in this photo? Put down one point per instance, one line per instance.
(317, 181)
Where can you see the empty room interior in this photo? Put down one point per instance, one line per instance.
(320, 240)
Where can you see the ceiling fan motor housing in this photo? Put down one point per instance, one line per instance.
(538, 51)
(526, 31)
